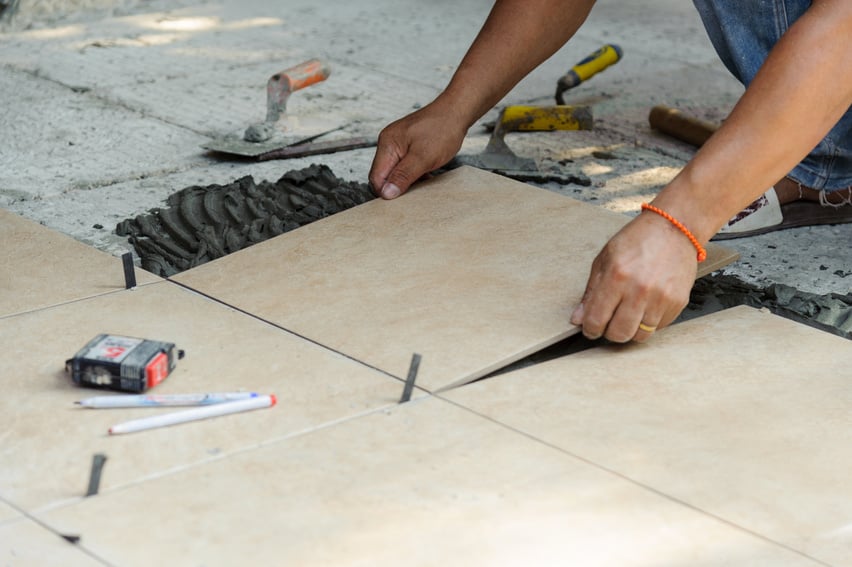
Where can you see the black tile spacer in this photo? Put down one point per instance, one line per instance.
(412, 376)
(129, 270)
(98, 461)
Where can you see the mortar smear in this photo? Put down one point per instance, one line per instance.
(200, 224)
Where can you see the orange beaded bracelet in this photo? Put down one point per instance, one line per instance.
(702, 253)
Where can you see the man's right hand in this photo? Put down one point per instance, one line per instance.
(413, 146)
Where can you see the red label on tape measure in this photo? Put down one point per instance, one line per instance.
(157, 370)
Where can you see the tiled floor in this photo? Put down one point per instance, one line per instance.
(688, 456)
(51, 442)
(40, 267)
(25, 542)
(471, 270)
(7, 512)
(425, 483)
(741, 413)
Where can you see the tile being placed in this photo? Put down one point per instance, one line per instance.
(470, 269)
(24, 542)
(40, 267)
(48, 442)
(741, 414)
(426, 483)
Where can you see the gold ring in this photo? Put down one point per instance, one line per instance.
(647, 328)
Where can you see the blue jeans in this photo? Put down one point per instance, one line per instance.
(743, 32)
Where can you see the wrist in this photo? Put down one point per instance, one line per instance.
(685, 233)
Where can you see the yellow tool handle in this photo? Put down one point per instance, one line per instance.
(544, 118)
(607, 55)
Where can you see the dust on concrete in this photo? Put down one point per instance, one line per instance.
(202, 223)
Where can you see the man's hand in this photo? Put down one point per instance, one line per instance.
(412, 147)
(642, 276)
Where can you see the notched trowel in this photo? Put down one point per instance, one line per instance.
(279, 136)
(499, 158)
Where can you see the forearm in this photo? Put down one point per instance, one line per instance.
(517, 36)
(802, 90)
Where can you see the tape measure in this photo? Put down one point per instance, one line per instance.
(126, 364)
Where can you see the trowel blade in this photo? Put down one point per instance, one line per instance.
(497, 161)
(237, 146)
(290, 131)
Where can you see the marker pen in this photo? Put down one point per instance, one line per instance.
(163, 400)
(193, 414)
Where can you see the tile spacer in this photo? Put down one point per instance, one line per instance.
(412, 376)
(98, 461)
(129, 270)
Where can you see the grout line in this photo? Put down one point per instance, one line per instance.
(291, 332)
(220, 457)
(633, 481)
(25, 515)
(76, 300)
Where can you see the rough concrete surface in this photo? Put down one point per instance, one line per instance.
(106, 105)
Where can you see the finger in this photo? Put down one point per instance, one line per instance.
(409, 169)
(600, 300)
(643, 313)
(645, 328)
(388, 154)
(635, 314)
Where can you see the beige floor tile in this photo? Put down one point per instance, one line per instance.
(471, 270)
(741, 413)
(47, 443)
(40, 267)
(24, 543)
(427, 483)
(7, 512)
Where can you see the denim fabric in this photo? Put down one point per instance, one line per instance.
(743, 32)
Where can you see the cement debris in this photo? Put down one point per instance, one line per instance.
(201, 224)
(830, 312)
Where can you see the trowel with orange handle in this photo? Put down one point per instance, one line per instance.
(279, 138)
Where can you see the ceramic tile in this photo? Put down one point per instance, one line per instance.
(40, 267)
(741, 413)
(24, 542)
(7, 512)
(48, 442)
(427, 483)
(471, 270)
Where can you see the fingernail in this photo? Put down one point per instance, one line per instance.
(577, 315)
(390, 191)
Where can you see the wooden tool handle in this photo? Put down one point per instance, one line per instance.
(678, 125)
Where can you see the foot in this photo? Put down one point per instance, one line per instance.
(787, 205)
(789, 191)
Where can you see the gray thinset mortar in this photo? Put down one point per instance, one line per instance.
(204, 223)
(831, 312)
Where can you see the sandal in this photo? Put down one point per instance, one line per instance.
(766, 214)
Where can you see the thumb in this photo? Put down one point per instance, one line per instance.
(409, 169)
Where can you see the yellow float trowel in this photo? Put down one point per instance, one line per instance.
(499, 158)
